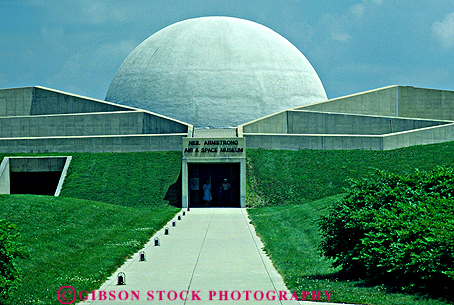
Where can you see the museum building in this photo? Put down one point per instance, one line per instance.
(212, 87)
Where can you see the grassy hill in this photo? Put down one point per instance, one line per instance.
(279, 177)
(75, 242)
(110, 205)
(128, 179)
(112, 199)
(292, 189)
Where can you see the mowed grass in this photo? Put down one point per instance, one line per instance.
(279, 177)
(128, 179)
(110, 205)
(290, 190)
(290, 234)
(75, 242)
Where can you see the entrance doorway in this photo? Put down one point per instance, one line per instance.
(214, 173)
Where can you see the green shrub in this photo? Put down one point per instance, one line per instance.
(10, 249)
(397, 230)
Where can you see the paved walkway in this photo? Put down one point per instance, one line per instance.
(211, 256)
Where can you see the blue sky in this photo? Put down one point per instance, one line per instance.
(354, 45)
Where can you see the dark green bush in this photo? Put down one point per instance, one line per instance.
(396, 230)
(9, 251)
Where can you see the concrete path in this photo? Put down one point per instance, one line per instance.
(211, 256)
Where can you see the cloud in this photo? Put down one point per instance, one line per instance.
(91, 12)
(444, 31)
(357, 10)
(338, 26)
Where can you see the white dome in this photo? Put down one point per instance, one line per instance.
(215, 71)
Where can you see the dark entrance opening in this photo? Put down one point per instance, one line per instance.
(214, 173)
(37, 183)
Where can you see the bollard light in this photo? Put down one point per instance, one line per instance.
(142, 256)
(174, 223)
(121, 278)
(166, 231)
(179, 217)
(184, 213)
(156, 242)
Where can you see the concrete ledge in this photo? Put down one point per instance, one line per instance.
(63, 176)
(5, 184)
(324, 123)
(89, 124)
(429, 135)
(113, 143)
(382, 101)
(422, 136)
(314, 141)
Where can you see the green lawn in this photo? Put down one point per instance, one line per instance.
(75, 242)
(110, 205)
(290, 234)
(120, 199)
(289, 190)
(129, 179)
(279, 177)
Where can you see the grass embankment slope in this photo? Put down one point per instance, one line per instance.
(110, 205)
(292, 189)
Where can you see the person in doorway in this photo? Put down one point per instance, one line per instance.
(207, 193)
(225, 192)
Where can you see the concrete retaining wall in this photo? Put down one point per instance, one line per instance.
(275, 123)
(32, 164)
(155, 124)
(5, 182)
(430, 135)
(111, 123)
(43, 101)
(48, 101)
(313, 122)
(426, 103)
(125, 143)
(36, 164)
(320, 142)
(382, 102)
(304, 122)
(397, 101)
(15, 101)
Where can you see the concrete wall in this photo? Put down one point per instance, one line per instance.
(5, 185)
(156, 124)
(32, 164)
(15, 101)
(430, 135)
(401, 101)
(312, 122)
(274, 123)
(306, 122)
(426, 103)
(382, 102)
(41, 101)
(125, 143)
(36, 164)
(71, 125)
(423, 136)
(111, 123)
(320, 142)
(48, 101)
